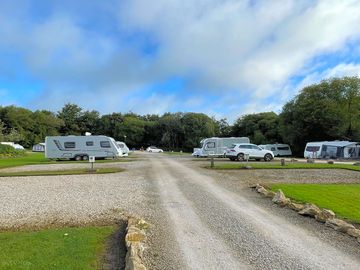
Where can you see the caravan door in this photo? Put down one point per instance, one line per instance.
(210, 147)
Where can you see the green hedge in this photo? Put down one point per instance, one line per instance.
(7, 151)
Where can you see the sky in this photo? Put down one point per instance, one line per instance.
(225, 58)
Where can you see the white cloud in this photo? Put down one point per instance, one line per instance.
(241, 51)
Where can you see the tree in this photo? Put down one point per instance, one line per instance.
(329, 110)
(70, 114)
(261, 128)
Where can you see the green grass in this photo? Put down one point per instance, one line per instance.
(177, 153)
(62, 172)
(39, 158)
(343, 199)
(52, 249)
(272, 165)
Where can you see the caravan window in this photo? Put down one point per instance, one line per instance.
(312, 148)
(90, 143)
(105, 144)
(210, 145)
(285, 148)
(69, 144)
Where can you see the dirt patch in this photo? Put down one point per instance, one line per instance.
(114, 256)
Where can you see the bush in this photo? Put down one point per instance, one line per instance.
(9, 151)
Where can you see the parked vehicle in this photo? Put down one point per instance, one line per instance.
(40, 147)
(154, 149)
(278, 149)
(124, 149)
(81, 147)
(240, 151)
(332, 149)
(217, 146)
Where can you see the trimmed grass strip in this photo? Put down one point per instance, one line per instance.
(57, 249)
(238, 166)
(343, 199)
(62, 172)
(39, 158)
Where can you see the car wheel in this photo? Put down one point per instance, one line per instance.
(78, 158)
(150, 151)
(268, 157)
(240, 157)
(86, 158)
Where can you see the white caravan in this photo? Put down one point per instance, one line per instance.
(332, 149)
(14, 145)
(217, 146)
(124, 149)
(279, 149)
(81, 147)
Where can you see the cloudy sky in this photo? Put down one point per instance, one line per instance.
(221, 57)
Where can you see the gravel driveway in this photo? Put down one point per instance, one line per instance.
(201, 219)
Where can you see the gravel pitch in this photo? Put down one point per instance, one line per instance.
(200, 219)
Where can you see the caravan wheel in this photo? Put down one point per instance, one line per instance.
(86, 157)
(78, 158)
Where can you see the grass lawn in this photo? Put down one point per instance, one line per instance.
(177, 153)
(343, 199)
(62, 172)
(272, 165)
(39, 158)
(65, 248)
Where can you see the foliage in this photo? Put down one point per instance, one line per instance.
(261, 128)
(65, 248)
(329, 110)
(7, 151)
(344, 200)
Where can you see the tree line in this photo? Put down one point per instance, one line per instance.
(329, 110)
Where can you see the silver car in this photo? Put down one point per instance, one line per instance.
(241, 151)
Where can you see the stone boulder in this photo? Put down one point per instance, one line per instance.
(280, 198)
(310, 210)
(353, 232)
(330, 161)
(339, 225)
(263, 191)
(271, 194)
(296, 206)
(324, 215)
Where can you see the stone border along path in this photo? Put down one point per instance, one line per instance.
(135, 243)
(325, 216)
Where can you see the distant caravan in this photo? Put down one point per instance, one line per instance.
(279, 149)
(124, 148)
(217, 146)
(81, 147)
(332, 149)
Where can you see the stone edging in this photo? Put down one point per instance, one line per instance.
(135, 243)
(322, 215)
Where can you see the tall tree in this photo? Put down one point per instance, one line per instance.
(329, 110)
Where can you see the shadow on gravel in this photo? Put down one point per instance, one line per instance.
(114, 257)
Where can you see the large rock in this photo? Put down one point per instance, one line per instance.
(353, 232)
(263, 191)
(324, 215)
(296, 206)
(310, 210)
(280, 198)
(271, 194)
(339, 225)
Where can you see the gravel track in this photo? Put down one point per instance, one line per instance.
(200, 218)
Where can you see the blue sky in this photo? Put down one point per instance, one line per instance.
(225, 58)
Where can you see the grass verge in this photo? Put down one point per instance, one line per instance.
(62, 172)
(237, 166)
(343, 199)
(65, 248)
(39, 158)
(177, 153)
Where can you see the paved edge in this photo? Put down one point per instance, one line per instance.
(135, 243)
